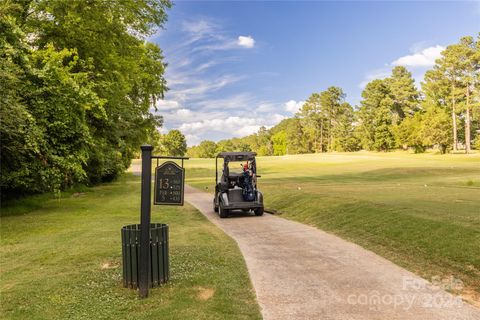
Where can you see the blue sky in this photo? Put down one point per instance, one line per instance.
(235, 66)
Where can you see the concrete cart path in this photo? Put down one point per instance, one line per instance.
(300, 272)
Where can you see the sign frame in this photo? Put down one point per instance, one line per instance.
(182, 190)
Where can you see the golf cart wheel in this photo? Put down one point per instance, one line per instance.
(259, 212)
(223, 212)
(215, 208)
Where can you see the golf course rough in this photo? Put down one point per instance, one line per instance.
(60, 258)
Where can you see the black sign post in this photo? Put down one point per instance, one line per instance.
(145, 220)
(169, 190)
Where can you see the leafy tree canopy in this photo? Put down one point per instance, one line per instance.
(79, 80)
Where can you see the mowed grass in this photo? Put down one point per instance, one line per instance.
(421, 211)
(61, 259)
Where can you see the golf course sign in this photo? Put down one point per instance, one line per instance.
(169, 184)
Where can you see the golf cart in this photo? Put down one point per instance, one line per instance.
(237, 189)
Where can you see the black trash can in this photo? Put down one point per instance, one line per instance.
(158, 267)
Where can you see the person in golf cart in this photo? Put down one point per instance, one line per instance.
(248, 181)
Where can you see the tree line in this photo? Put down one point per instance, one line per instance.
(78, 81)
(393, 114)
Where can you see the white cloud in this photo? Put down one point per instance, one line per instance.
(237, 125)
(183, 113)
(293, 106)
(192, 139)
(197, 88)
(234, 126)
(224, 44)
(421, 58)
(266, 107)
(418, 62)
(181, 116)
(206, 66)
(219, 123)
(246, 41)
(275, 119)
(236, 102)
(199, 101)
(167, 104)
(200, 27)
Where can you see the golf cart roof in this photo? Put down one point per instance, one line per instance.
(237, 156)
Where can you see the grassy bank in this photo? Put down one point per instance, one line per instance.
(419, 211)
(60, 259)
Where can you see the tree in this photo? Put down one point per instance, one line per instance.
(469, 57)
(225, 146)
(279, 140)
(384, 138)
(313, 121)
(154, 138)
(126, 70)
(344, 131)
(44, 135)
(193, 152)
(436, 128)
(174, 144)
(243, 147)
(20, 137)
(409, 133)
(264, 142)
(331, 101)
(375, 119)
(296, 140)
(207, 149)
(403, 93)
(447, 73)
(85, 80)
(453, 84)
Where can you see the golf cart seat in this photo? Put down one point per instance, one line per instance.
(233, 179)
(228, 180)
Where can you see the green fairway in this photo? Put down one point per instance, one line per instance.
(421, 211)
(60, 259)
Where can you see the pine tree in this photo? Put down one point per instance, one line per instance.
(331, 101)
(297, 141)
(375, 117)
(447, 72)
(436, 127)
(313, 121)
(469, 57)
(403, 92)
(344, 131)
